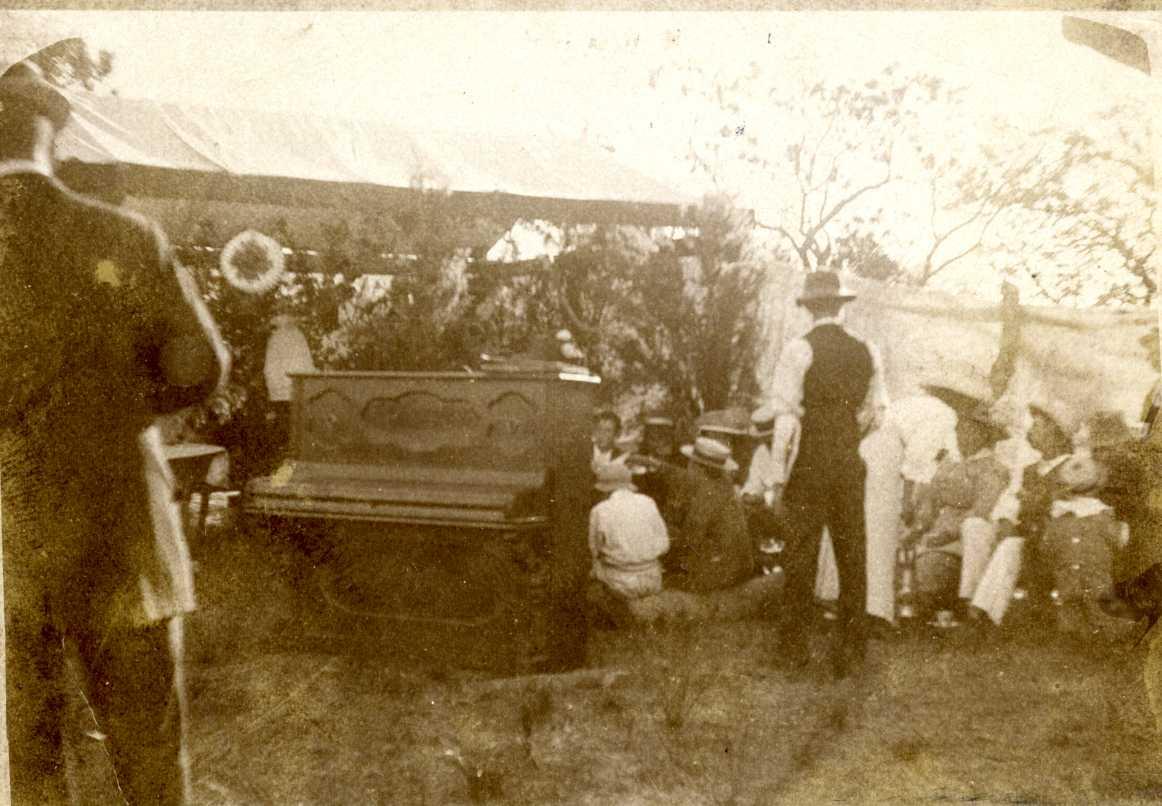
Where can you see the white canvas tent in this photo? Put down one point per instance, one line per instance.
(1070, 362)
(246, 169)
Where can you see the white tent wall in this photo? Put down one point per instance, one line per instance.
(1070, 362)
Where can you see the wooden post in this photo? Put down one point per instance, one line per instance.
(5, 786)
(1010, 342)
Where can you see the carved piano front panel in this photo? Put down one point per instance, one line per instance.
(441, 421)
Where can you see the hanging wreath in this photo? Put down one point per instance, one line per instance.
(252, 262)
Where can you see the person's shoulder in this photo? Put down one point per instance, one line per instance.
(797, 350)
(863, 340)
(120, 226)
(641, 500)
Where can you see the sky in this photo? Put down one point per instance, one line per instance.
(578, 74)
(574, 72)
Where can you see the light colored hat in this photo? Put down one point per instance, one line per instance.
(657, 419)
(762, 421)
(724, 421)
(614, 476)
(710, 453)
(1081, 473)
(820, 286)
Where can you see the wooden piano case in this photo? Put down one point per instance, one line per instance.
(453, 508)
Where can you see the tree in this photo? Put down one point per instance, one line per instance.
(69, 63)
(1100, 199)
(824, 151)
(862, 254)
(680, 316)
(971, 185)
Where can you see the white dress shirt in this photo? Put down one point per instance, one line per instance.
(787, 398)
(626, 537)
(761, 476)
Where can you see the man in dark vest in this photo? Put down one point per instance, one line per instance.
(827, 393)
(100, 332)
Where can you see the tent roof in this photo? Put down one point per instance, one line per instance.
(183, 152)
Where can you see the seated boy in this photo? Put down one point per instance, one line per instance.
(627, 538)
(1080, 542)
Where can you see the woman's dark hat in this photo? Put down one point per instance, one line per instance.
(823, 286)
(25, 83)
(1108, 429)
(968, 407)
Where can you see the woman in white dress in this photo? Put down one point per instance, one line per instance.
(902, 456)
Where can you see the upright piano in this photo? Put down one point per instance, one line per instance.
(453, 508)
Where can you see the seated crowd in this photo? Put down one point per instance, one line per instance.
(968, 508)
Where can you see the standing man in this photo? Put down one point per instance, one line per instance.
(100, 332)
(828, 389)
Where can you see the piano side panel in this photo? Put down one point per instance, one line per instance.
(570, 407)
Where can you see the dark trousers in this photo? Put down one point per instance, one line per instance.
(825, 491)
(132, 682)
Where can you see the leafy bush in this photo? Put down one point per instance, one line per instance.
(678, 320)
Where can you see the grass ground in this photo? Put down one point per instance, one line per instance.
(281, 715)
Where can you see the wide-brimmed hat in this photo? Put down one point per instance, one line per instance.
(965, 405)
(657, 419)
(762, 421)
(710, 453)
(735, 422)
(961, 401)
(25, 82)
(614, 476)
(823, 286)
(1106, 429)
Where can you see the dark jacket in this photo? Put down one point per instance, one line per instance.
(100, 332)
(710, 547)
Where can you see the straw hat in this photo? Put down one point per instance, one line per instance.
(710, 453)
(614, 476)
(823, 286)
(735, 422)
(762, 422)
(657, 419)
(25, 82)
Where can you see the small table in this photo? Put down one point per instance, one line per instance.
(190, 463)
